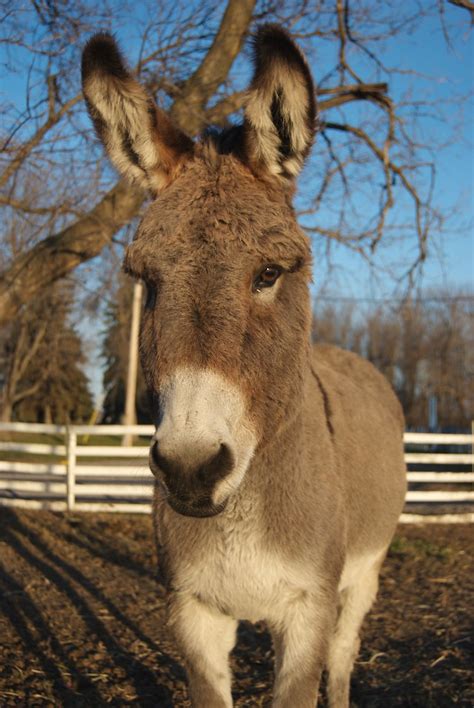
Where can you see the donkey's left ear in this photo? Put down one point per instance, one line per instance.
(280, 114)
(139, 138)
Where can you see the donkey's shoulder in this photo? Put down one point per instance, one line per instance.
(346, 375)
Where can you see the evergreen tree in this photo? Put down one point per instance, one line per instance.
(52, 386)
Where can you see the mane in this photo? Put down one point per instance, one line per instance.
(215, 142)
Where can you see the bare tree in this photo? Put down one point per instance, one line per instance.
(18, 347)
(450, 358)
(189, 58)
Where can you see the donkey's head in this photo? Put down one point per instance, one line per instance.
(225, 328)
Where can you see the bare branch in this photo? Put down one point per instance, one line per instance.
(28, 208)
(53, 118)
(466, 5)
(341, 28)
(354, 92)
(57, 255)
(25, 393)
(395, 169)
(187, 110)
(218, 114)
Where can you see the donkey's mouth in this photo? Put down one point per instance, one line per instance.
(200, 509)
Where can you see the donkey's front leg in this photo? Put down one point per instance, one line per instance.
(301, 640)
(205, 637)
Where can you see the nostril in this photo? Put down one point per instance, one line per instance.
(217, 467)
(154, 454)
(224, 456)
(159, 460)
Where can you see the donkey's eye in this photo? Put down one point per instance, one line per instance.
(267, 277)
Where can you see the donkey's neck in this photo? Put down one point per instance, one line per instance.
(291, 478)
(285, 451)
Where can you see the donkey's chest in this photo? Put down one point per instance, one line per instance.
(238, 575)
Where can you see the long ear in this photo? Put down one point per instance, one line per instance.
(139, 138)
(280, 114)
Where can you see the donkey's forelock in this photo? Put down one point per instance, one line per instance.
(275, 137)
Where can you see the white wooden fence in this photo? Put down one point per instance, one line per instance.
(76, 475)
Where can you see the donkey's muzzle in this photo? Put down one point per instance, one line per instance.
(190, 484)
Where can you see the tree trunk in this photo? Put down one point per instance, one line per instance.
(6, 412)
(59, 254)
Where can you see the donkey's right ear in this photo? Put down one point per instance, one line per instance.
(139, 138)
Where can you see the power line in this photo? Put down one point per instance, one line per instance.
(341, 298)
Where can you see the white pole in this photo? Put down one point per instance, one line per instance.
(130, 406)
(71, 469)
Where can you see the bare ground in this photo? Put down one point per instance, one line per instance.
(82, 620)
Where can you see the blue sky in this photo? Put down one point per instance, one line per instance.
(442, 72)
(452, 256)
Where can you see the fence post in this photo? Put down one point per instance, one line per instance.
(129, 417)
(71, 468)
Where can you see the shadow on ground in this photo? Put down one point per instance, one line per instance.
(82, 620)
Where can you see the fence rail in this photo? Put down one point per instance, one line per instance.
(67, 473)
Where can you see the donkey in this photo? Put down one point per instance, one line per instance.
(279, 467)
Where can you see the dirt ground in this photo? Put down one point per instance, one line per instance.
(82, 620)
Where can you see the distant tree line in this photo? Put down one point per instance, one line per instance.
(425, 347)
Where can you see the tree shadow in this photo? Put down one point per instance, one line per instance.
(98, 546)
(63, 575)
(22, 610)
